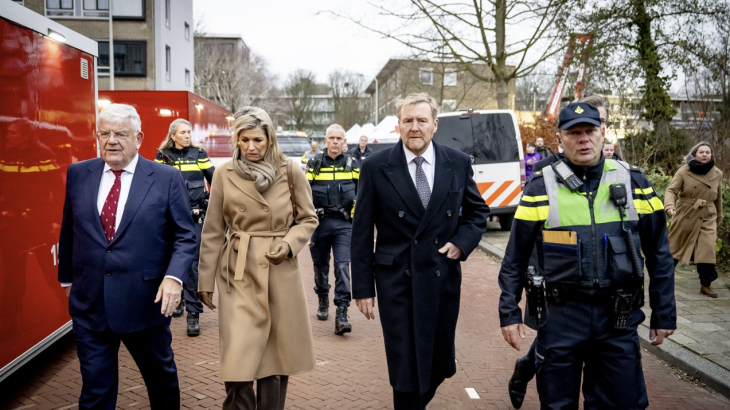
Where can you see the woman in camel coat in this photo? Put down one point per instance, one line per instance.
(694, 201)
(249, 250)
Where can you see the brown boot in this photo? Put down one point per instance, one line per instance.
(707, 291)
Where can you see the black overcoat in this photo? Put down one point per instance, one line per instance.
(418, 289)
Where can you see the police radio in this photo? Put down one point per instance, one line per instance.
(566, 175)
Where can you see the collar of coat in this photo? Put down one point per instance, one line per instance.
(247, 186)
(707, 178)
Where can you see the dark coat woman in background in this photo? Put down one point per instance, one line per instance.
(694, 201)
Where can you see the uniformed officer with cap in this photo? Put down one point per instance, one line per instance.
(588, 217)
(333, 175)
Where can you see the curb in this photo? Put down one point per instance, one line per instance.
(714, 376)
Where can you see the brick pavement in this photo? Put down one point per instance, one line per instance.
(351, 370)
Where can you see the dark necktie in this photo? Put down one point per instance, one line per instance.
(109, 211)
(424, 191)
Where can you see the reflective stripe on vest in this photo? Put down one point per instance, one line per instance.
(566, 209)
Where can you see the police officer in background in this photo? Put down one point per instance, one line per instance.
(589, 216)
(333, 176)
(178, 151)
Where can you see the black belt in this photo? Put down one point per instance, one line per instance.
(559, 294)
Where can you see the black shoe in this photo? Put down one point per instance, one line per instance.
(341, 324)
(517, 386)
(324, 307)
(180, 309)
(193, 324)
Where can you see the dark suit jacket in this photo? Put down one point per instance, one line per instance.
(418, 289)
(114, 284)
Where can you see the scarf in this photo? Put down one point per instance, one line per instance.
(261, 173)
(699, 168)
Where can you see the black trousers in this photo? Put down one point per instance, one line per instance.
(270, 394)
(99, 358)
(579, 340)
(190, 284)
(414, 400)
(707, 272)
(333, 234)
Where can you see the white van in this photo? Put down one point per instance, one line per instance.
(492, 139)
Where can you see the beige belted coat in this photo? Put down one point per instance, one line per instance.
(263, 321)
(698, 202)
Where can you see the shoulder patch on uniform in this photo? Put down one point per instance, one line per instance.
(635, 168)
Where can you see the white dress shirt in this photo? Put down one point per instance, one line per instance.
(429, 164)
(105, 185)
(107, 181)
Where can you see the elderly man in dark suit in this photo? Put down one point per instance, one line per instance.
(422, 199)
(127, 238)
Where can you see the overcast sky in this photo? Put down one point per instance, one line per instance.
(289, 34)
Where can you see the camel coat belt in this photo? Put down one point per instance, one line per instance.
(234, 240)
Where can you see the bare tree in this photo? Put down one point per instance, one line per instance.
(231, 77)
(347, 101)
(469, 32)
(298, 102)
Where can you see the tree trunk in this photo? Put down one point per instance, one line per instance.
(499, 68)
(659, 108)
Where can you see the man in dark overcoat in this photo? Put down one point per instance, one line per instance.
(422, 199)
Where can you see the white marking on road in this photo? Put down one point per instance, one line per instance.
(472, 393)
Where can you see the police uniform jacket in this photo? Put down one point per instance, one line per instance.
(418, 289)
(334, 184)
(195, 166)
(698, 202)
(597, 263)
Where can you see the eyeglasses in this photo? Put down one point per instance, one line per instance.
(121, 136)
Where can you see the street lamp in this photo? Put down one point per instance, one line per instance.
(534, 99)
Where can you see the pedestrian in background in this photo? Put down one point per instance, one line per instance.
(361, 151)
(192, 161)
(312, 153)
(540, 147)
(422, 200)
(252, 234)
(531, 157)
(694, 201)
(333, 177)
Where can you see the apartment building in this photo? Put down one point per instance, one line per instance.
(451, 86)
(153, 39)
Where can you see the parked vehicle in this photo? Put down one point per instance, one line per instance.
(492, 139)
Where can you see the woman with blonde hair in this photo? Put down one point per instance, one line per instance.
(179, 151)
(694, 201)
(260, 217)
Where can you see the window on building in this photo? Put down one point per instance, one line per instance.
(426, 76)
(187, 31)
(448, 105)
(391, 84)
(131, 9)
(168, 62)
(450, 77)
(167, 13)
(130, 58)
(187, 77)
(96, 8)
(18, 1)
(59, 7)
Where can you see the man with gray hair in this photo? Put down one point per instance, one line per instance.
(333, 176)
(127, 240)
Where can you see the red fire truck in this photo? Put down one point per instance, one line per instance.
(47, 121)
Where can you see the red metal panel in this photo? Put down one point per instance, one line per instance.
(158, 109)
(46, 122)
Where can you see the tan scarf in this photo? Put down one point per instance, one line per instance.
(261, 173)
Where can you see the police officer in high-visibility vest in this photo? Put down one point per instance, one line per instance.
(178, 151)
(333, 175)
(589, 216)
